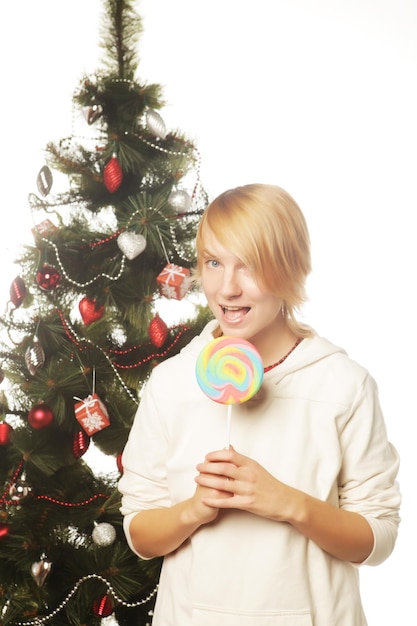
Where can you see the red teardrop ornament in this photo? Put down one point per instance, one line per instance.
(80, 444)
(113, 175)
(158, 331)
(17, 291)
(103, 607)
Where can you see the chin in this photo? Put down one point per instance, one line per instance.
(234, 331)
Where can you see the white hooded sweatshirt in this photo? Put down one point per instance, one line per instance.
(315, 424)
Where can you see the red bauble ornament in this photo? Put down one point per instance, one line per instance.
(103, 607)
(90, 310)
(158, 331)
(113, 174)
(4, 530)
(17, 291)
(119, 462)
(80, 444)
(40, 416)
(48, 277)
(5, 432)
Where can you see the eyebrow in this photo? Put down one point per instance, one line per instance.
(207, 253)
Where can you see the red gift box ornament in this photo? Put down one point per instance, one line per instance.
(174, 281)
(44, 229)
(91, 414)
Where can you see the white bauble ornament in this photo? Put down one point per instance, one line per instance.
(180, 200)
(131, 244)
(103, 534)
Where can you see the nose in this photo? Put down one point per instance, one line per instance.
(230, 286)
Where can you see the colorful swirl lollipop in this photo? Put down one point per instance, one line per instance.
(229, 370)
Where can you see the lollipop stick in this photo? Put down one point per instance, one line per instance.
(229, 424)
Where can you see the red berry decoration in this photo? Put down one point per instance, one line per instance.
(40, 416)
(103, 607)
(17, 292)
(48, 277)
(158, 331)
(113, 175)
(90, 310)
(5, 432)
(80, 444)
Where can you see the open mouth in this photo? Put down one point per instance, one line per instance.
(234, 313)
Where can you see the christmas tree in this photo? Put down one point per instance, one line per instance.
(80, 335)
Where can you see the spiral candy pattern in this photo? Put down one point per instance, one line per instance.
(229, 370)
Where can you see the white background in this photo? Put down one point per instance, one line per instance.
(318, 96)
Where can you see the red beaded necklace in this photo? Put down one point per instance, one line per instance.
(271, 367)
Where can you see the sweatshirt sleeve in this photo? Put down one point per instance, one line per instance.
(143, 484)
(367, 480)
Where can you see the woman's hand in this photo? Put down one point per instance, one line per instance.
(243, 484)
(201, 509)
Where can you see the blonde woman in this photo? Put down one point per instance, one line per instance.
(270, 531)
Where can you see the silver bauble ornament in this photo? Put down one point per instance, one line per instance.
(34, 356)
(155, 124)
(44, 180)
(103, 534)
(40, 570)
(180, 200)
(92, 113)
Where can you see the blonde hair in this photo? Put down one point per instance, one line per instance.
(264, 227)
